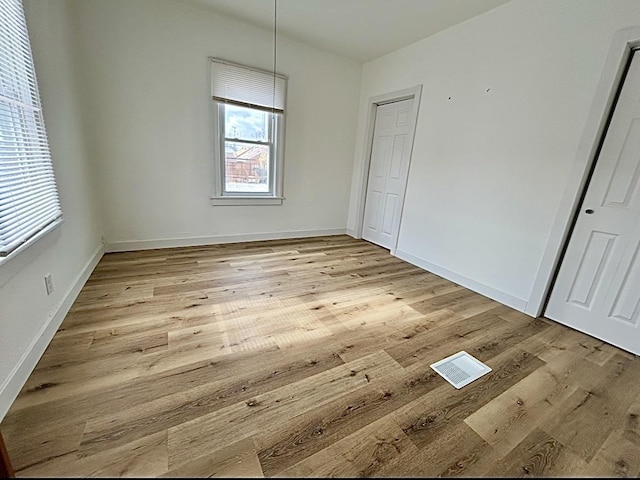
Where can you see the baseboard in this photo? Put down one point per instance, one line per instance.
(534, 309)
(197, 241)
(352, 232)
(493, 293)
(19, 375)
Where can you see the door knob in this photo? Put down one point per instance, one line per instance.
(588, 211)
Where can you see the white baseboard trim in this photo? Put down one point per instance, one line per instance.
(492, 293)
(352, 232)
(19, 375)
(214, 240)
(534, 308)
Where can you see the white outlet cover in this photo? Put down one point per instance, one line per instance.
(460, 369)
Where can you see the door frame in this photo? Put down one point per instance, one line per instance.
(6, 469)
(414, 93)
(615, 66)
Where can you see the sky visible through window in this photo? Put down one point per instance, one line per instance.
(246, 123)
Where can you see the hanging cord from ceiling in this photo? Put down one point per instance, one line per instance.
(275, 53)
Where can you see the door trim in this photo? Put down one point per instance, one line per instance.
(6, 469)
(624, 41)
(408, 93)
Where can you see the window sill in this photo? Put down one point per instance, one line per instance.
(248, 200)
(28, 251)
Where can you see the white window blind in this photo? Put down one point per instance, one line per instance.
(233, 83)
(28, 195)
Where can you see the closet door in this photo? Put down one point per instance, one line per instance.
(597, 290)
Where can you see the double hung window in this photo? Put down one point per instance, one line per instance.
(248, 111)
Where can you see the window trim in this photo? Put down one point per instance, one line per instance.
(274, 196)
(271, 143)
(45, 232)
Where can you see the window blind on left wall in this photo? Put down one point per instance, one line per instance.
(29, 201)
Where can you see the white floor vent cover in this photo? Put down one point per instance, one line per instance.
(460, 369)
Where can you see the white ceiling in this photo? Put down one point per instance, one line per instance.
(359, 29)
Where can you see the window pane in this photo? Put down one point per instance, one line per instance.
(246, 167)
(246, 124)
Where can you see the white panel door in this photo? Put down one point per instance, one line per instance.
(598, 286)
(388, 170)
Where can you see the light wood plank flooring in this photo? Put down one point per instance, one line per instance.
(311, 358)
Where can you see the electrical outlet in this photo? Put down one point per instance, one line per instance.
(48, 283)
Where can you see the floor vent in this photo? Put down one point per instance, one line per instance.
(460, 369)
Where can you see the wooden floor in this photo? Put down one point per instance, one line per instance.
(311, 358)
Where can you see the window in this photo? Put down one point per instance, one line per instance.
(248, 150)
(248, 132)
(29, 204)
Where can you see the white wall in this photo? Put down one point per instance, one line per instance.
(145, 81)
(28, 317)
(505, 99)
